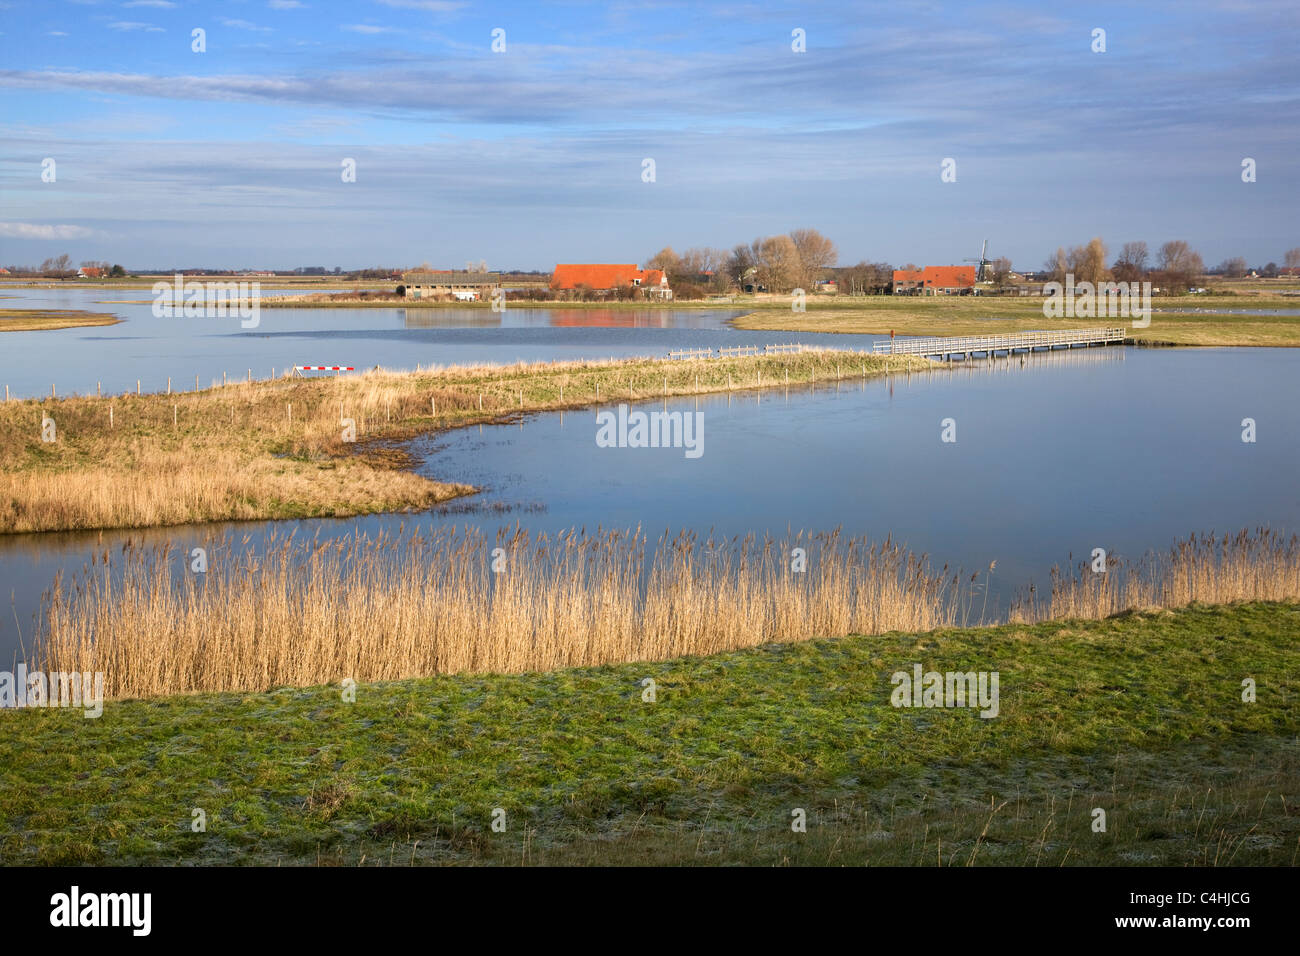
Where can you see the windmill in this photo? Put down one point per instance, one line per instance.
(982, 271)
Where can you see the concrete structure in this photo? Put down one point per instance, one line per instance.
(934, 280)
(467, 286)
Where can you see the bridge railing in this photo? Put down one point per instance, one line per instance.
(949, 345)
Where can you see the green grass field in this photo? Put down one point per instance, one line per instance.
(1173, 321)
(1140, 715)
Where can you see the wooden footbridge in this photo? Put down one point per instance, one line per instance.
(968, 346)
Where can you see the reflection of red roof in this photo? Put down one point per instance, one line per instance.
(939, 277)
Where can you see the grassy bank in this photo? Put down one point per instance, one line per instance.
(280, 449)
(1140, 715)
(31, 320)
(1173, 319)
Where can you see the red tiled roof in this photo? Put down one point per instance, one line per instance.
(600, 275)
(939, 277)
(596, 275)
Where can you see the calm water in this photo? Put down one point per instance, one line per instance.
(149, 348)
(1123, 449)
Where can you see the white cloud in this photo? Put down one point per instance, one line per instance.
(243, 25)
(29, 230)
(157, 4)
(130, 25)
(366, 28)
(285, 5)
(56, 33)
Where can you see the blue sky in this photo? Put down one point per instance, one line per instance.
(232, 157)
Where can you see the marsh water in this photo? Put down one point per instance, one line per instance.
(152, 348)
(1055, 454)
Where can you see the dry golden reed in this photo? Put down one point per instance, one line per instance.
(303, 613)
(1247, 566)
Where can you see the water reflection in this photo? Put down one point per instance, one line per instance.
(1124, 449)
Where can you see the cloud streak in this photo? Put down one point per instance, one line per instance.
(24, 230)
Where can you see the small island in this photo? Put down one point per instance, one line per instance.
(34, 320)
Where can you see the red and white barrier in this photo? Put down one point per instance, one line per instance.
(323, 368)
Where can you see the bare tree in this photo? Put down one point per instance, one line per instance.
(664, 259)
(58, 267)
(999, 271)
(816, 255)
(1233, 268)
(779, 266)
(1177, 256)
(743, 258)
(1179, 265)
(1291, 258)
(1131, 263)
(1057, 265)
(1088, 263)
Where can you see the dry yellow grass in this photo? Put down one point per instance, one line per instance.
(276, 449)
(305, 613)
(1258, 566)
(32, 320)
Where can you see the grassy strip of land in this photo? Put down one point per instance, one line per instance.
(285, 448)
(32, 320)
(1139, 715)
(1173, 320)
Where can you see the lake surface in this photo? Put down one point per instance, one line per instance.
(150, 348)
(1119, 448)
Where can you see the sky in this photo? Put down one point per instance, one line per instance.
(535, 152)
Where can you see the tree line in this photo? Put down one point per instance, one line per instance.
(1174, 266)
(782, 263)
(60, 267)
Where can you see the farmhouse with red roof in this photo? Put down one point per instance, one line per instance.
(605, 277)
(934, 280)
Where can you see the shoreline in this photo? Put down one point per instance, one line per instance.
(278, 452)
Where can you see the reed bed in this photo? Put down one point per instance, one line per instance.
(304, 613)
(451, 600)
(1262, 565)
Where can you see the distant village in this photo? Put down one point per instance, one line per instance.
(800, 262)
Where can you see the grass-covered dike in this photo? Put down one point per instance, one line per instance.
(1140, 715)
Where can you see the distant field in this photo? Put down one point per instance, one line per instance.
(978, 315)
(29, 320)
(1139, 716)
